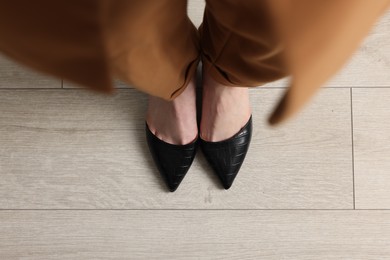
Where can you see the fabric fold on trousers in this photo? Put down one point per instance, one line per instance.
(59, 38)
(319, 37)
(153, 45)
(250, 43)
(239, 44)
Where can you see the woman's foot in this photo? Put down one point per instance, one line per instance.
(225, 110)
(174, 121)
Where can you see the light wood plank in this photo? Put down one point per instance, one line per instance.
(195, 9)
(117, 84)
(371, 114)
(76, 149)
(307, 156)
(370, 66)
(200, 234)
(14, 75)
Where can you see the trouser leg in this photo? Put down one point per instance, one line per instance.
(239, 45)
(154, 45)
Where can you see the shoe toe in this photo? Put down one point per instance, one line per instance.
(226, 157)
(172, 161)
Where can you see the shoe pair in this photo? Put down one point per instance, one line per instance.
(225, 157)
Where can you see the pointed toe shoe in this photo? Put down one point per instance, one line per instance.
(227, 156)
(172, 161)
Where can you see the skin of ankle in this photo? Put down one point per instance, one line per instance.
(174, 121)
(225, 110)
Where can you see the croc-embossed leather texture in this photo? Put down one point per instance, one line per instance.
(172, 161)
(227, 156)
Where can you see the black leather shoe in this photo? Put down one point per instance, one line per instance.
(227, 156)
(172, 161)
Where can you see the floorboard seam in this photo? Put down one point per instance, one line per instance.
(346, 209)
(353, 152)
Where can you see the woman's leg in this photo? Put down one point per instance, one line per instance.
(174, 121)
(159, 56)
(239, 50)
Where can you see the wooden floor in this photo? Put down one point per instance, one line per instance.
(77, 180)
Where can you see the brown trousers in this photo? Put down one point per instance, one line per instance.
(152, 44)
